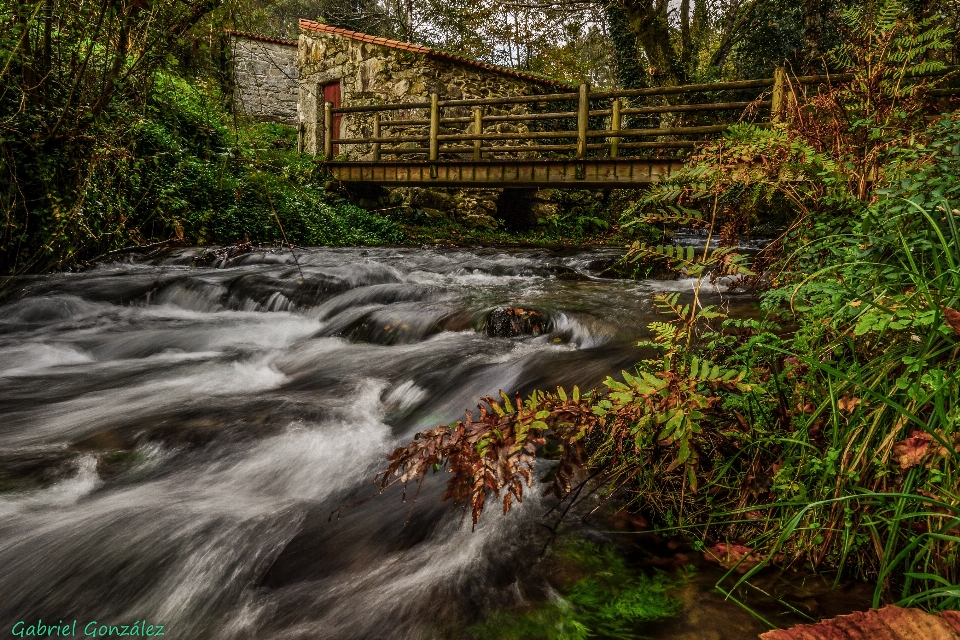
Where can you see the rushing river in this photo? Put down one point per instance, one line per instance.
(175, 433)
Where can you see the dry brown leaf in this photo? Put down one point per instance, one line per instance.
(856, 303)
(848, 404)
(730, 556)
(913, 450)
(888, 623)
(952, 618)
(952, 317)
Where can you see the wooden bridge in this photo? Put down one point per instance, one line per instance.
(592, 139)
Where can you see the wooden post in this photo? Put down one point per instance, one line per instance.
(777, 102)
(477, 129)
(434, 127)
(376, 134)
(583, 118)
(615, 128)
(328, 130)
(434, 132)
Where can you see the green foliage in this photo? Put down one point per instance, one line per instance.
(630, 73)
(174, 169)
(110, 141)
(611, 601)
(782, 33)
(279, 18)
(72, 81)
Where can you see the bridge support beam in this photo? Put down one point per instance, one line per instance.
(593, 173)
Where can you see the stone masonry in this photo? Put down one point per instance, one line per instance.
(265, 78)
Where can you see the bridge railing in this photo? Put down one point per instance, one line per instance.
(608, 123)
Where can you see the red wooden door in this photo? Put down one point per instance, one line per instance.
(331, 93)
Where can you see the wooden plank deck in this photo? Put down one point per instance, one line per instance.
(591, 173)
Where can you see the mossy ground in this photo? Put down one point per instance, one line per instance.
(598, 595)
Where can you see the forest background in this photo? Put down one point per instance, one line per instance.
(116, 127)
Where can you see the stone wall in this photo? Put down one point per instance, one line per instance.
(265, 77)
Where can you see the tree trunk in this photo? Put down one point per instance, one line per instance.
(685, 42)
(630, 71)
(648, 19)
(813, 36)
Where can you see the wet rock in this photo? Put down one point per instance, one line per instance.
(218, 256)
(24, 470)
(378, 329)
(511, 322)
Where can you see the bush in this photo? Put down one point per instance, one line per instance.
(172, 169)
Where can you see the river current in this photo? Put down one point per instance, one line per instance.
(176, 432)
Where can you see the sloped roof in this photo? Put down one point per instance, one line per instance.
(312, 25)
(254, 36)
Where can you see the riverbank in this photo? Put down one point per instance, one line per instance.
(834, 446)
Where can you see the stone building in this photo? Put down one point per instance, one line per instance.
(353, 68)
(265, 77)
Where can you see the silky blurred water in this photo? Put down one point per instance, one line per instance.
(175, 433)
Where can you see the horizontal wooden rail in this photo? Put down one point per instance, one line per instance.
(535, 135)
(670, 131)
(523, 135)
(687, 88)
(381, 140)
(598, 113)
(518, 148)
(480, 102)
(674, 144)
(681, 108)
(563, 97)
(368, 108)
(520, 117)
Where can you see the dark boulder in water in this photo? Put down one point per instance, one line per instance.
(511, 322)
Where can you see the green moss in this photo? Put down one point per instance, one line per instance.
(609, 600)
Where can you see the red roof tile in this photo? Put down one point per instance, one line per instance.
(312, 25)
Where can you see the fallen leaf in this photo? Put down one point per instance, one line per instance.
(913, 450)
(888, 623)
(856, 303)
(742, 420)
(732, 556)
(952, 317)
(952, 617)
(848, 404)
